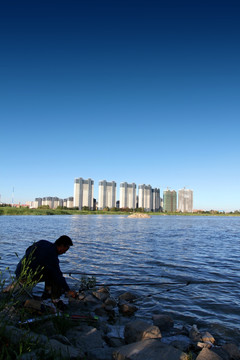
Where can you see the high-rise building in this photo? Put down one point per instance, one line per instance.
(169, 201)
(127, 195)
(47, 201)
(38, 202)
(145, 197)
(83, 193)
(106, 194)
(185, 200)
(148, 198)
(69, 202)
(155, 199)
(56, 202)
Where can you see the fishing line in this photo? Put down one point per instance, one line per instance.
(97, 274)
(149, 283)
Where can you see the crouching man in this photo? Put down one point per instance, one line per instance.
(41, 264)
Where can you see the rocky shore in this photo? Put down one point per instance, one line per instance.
(95, 326)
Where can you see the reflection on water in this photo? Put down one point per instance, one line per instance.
(200, 253)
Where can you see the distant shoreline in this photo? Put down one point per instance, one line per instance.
(59, 211)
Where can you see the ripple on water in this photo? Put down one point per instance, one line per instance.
(163, 249)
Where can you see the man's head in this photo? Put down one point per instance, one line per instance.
(63, 243)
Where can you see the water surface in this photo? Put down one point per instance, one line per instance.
(200, 254)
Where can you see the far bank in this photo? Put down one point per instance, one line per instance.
(8, 210)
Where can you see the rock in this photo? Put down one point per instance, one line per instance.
(208, 338)
(47, 328)
(180, 342)
(103, 289)
(85, 337)
(33, 304)
(164, 322)
(139, 215)
(140, 330)
(61, 338)
(100, 311)
(100, 354)
(206, 354)
(90, 299)
(115, 342)
(63, 351)
(33, 355)
(232, 350)
(108, 308)
(16, 336)
(110, 302)
(194, 334)
(127, 309)
(81, 296)
(202, 345)
(102, 296)
(222, 353)
(148, 350)
(127, 296)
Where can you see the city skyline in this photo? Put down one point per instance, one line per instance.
(145, 92)
(147, 197)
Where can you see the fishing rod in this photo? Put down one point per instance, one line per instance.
(183, 283)
(126, 284)
(75, 317)
(145, 284)
(92, 274)
(70, 273)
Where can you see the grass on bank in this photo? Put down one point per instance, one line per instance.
(17, 339)
(8, 210)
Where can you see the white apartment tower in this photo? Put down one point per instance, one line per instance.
(145, 197)
(106, 194)
(148, 198)
(185, 200)
(127, 195)
(83, 193)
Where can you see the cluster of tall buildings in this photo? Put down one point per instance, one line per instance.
(146, 198)
(185, 200)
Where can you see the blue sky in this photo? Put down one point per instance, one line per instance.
(130, 90)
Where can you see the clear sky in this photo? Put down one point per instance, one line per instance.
(124, 90)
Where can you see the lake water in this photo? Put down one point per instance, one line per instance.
(201, 254)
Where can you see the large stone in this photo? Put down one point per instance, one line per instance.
(47, 328)
(206, 354)
(195, 334)
(202, 345)
(61, 350)
(180, 342)
(232, 350)
(164, 322)
(91, 299)
(127, 309)
(85, 338)
(61, 338)
(208, 338)
(102, 296)
(16, 336)
(139, 216)
(100, 354)
(148, 350)
(114, 342)
(110, 302)
(140, 330)
(127, 296)
(33, 355)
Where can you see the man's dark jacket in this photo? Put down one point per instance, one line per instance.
(43, 255)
